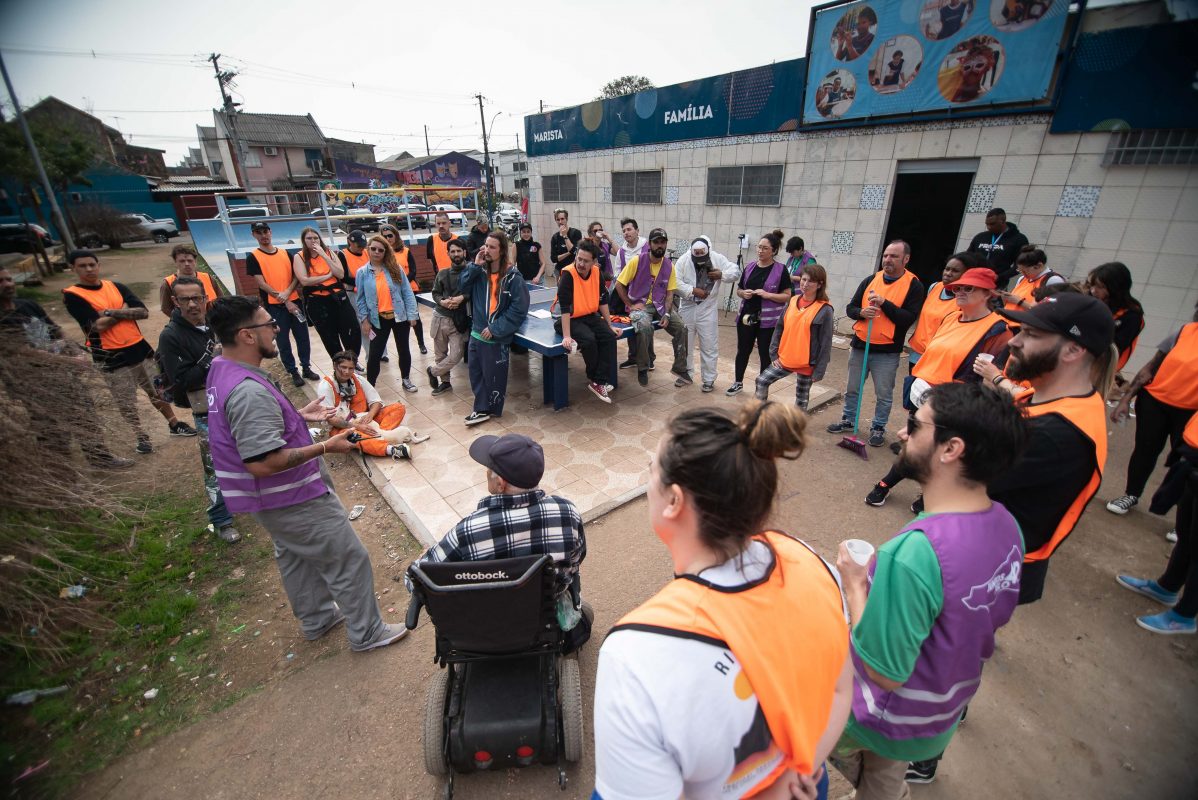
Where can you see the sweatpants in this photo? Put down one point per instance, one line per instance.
(746, 337)
(702, 328)
(289, 326)
(488, 375)
(448, 345)
(1156, 423)
(322, 562)
(378, 346)
(336, 323)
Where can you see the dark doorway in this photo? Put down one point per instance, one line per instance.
(926, 212)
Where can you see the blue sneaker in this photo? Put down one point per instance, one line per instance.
(1168, 622)
(1148, 588)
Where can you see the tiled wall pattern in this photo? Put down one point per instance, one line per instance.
(836, 194)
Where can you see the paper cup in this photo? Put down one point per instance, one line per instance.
(987, 357)
(861, 550)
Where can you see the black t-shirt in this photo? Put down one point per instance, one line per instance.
(528, 258)
(30, 320)
(86, 316)
(565, 293)
(252, 267)
(1127, 328)
(755, 280)
(559, 245)
(1047, 478)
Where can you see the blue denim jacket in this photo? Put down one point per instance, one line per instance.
(402, 299)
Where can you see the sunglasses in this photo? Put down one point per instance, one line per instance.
(388, 235)
(272, 324)
(965, 289)
(914, 425)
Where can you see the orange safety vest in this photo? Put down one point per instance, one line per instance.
(951, 344)
(402, 259)
(316, 268)
(1190, 434)
(935, 309)
(441, 259)
(895, 292)
(787, 631)
(1025, 289)
(353, 262)
(125, 333)
(1088, 415)
(794, 351)
(1176, 381)
(276, 271)
(1131, 348)
(586, 292)
(357, 403)
(203, 277)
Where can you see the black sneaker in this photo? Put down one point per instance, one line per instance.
(921, 771)
(442, 388)
(385, 358)
(896, 447)
(877, 496)
(423, 350)
(840, 427)
(684, 379)
(476, 417)
(877, 437)
(653, 363)
(433, 381)
(309, 374)
(628, 364)
(297, 380)
(181, 428)
(143, 445)
(917, 505)
(642, 377)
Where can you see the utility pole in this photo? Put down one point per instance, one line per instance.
(55, 211)
(542, 102)
(224, 79)
(486, 157)
(427, 149)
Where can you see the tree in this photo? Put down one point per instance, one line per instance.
(629, 84)
(65, 154)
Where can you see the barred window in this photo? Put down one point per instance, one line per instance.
(636, 187)
(522, 183)
(1167, 147)
(560, 188)
(759, 185)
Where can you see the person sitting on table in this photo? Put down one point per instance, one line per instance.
(647, 286)
(357, 404)
(585, 323)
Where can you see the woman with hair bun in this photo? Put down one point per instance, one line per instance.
(733, 680)
(764, 290)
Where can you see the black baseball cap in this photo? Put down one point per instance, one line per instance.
(517, 459)
(1078, 317)
(356, 237)
(257, 227)
(658, 233)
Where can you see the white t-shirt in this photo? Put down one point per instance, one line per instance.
(675, 716)
(329, 399)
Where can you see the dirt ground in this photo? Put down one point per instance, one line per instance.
(1077, 702)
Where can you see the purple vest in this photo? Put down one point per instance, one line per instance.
(245, 494)
(980, 556)
(771, 312)
(644, 287)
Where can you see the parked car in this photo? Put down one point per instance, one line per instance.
(456, 217)
(246, 212)
(400, 217)
(15, 237)
(160, 230)
(362, 219)
(507, 214)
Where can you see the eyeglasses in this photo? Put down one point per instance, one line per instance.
(914, 425)
(191, 301)
(272, 324)
(965, 289)
(377, 249)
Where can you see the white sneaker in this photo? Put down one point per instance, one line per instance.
(388, 634)
(1171, 536)
(1122, 504)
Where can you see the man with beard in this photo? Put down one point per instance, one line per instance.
(1062, 343)
(268, 466)
(700, 272)
(647, 286)
(186, 348)
(436, 247)
(451, 320)
(499, 304)
(924, 626)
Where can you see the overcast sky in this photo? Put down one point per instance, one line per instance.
(373, 72)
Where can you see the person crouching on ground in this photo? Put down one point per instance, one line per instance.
(734, 679)
(802, 342)
(925, 615)
(357, 406)
(518, 519)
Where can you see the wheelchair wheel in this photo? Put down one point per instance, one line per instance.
(434, 724)
(570, 697)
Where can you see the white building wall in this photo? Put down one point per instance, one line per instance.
(838, 185)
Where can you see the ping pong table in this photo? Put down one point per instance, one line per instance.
(538, 334)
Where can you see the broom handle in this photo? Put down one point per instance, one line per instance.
(869, 330)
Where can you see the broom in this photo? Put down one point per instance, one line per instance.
(853, 443)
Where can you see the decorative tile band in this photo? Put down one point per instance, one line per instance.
(873, 197)
(1078, 201)
(981, 198)
(842, 242)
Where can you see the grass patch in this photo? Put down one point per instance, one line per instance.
(146, 575)
(37, 295)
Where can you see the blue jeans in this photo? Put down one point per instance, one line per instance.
(290, 326)
(882, 368)
(218, 514)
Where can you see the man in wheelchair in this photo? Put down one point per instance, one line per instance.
(518, 519)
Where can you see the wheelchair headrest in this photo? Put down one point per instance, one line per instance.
(458, 576)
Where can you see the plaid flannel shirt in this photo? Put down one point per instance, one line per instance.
(513, 525)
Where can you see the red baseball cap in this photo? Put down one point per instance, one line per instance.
(978, 276)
